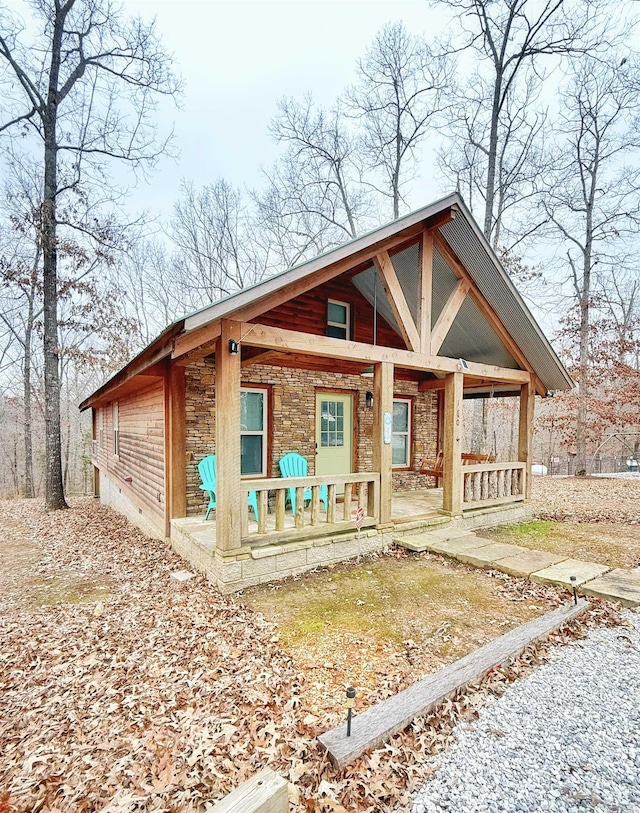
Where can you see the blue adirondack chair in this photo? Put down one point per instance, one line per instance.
(207, 469)
(295, 465)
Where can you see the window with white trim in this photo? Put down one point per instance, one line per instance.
(116, 430)
(253, 432)
(338, 319)
(401, 436)
(101, 427)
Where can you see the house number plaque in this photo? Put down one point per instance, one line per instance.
(387, 427)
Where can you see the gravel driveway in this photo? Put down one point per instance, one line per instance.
(567, 738)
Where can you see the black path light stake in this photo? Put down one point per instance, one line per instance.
(351, 701)
(573, 580)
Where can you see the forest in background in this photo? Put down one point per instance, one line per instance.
(530, 109)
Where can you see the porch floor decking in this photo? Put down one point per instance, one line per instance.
(406, 506)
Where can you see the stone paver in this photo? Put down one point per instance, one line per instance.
(438, 541)
(487, 555)
(622, 585)
(538, 565)
(455, 547)
(524, 564)
(561, 573)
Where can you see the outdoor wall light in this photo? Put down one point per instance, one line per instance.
(369, 399)
(233, 346)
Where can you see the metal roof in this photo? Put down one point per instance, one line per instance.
(477, 256)
(225, 307)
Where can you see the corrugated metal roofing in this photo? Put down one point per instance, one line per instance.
(471, 247)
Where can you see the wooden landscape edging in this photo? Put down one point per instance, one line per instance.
(266, 792)
(377, 724)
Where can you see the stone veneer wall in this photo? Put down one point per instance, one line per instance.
(293, 420)
(237, 570)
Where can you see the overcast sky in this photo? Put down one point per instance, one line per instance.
(238, 58)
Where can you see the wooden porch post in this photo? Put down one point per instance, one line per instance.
(229, 505)
(382, 460)
(175, 459)
(452, 445)
(525, 432)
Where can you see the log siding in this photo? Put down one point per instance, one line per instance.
(139, 467)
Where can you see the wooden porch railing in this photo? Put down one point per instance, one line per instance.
(361, 490)
(490, 484)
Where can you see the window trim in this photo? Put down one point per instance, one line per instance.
(115, 417)
(342, 325)
(406, 466)
(101, 428)
(265, 389)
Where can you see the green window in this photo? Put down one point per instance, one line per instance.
(338, 319)
(401, 437)
(253, 432)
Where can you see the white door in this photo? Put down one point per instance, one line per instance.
(334, 433)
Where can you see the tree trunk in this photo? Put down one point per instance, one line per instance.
(54, 491)
(581, 423)
(492, 158)
(585, 315)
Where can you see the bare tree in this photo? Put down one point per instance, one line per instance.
(20, 274)
(314, 192)
(83, 89)
(592, 193)
(510, 38)
(212, 231)
(401, 92)
(464, 157)
(148, 273)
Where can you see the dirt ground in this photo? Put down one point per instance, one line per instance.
(393, 617)
(596, 519)
(123, 690)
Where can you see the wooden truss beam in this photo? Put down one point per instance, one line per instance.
(281, 340)
(263, 357)
(448, 315)
(425, 291)
(397, 300)
(435, 384)
(195, 345)
(452, 260)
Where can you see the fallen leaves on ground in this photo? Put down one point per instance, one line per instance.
(587, 499)
(171, 694)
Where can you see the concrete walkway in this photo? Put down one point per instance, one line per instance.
(591, 579)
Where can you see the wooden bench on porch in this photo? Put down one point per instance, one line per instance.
(434, 467)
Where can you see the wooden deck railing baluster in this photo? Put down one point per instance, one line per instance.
(310, 517)
(490, 484)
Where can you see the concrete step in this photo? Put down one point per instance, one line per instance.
(449, 541)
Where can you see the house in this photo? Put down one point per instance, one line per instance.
(358, 360)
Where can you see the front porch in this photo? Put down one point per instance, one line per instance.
(276, 554)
